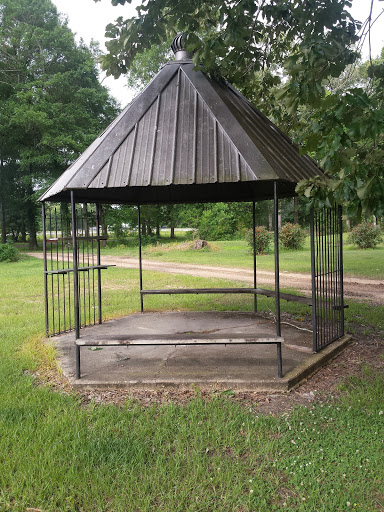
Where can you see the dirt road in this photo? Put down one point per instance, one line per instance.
(370, 290)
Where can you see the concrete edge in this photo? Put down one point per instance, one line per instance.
(317, 361)
(284, 385)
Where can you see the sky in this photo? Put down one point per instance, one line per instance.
(88, 20)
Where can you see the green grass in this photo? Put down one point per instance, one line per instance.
(236, 254)
(357, 262)
(59, 455)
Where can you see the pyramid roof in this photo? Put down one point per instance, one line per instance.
(185, 138)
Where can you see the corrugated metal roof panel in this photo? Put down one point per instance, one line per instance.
(185, 129)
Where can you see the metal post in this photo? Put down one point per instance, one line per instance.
(98, 261)
(254, 254)
(140, 259)
(279, 361)
(75, 282)
(277, 276)
(45, 269)
(313, 273)
(340, 213)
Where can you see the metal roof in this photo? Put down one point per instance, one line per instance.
(185, 138)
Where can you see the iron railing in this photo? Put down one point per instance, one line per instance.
(327, 276)
(59, 275)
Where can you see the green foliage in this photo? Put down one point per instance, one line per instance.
(292, 236)
(365, 235)
(263, 238)
(217, 223)
(297, 61)
(9, 253)
(145, 65)
(52, 105)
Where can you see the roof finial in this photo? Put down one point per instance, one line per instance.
(178, 48)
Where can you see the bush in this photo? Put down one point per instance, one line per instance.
(292, 236)
(8, 253)
(365, 236)
(217, 223)
(262, 240)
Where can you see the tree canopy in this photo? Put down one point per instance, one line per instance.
(52, 105)
(294, 60)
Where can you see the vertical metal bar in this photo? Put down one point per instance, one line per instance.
(98, 259)
(52, 275)
(277, 276)
(62, 266)
(326, 213)
(93, 264)
(45, 268)
(83, 233)
(334, 277)
(57, 268)
(140, 259)
(321, 264)
(279, 361)
(313, 273)
(75, 283)
(254, 254)
(87, 234)
(75, 268)
(69, 276)
(340, 215)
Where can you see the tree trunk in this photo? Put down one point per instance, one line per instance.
(270, 222)
(172, 232)
(104, 230)
(348, 225)
(3, 226)
(157, 230)
(23, 232)
(296, 210)
(149, 229)
(31, 220)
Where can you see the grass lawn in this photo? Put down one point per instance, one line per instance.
(357, 262)
(57, 454)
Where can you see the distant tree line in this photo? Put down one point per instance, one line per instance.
(52, 107)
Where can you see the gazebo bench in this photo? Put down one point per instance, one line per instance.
(255, 291)
(191, 338)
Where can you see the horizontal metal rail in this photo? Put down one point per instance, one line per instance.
(179, 339)
(80, 269)
(255, 291)
(69, 239)
(186, 339)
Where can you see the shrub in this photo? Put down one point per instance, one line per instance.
(262, 240)
(365, 235)
(292, 236)
(217, 223)
(8, 253)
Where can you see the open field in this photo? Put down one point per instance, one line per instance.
(357, 262)
(236, 254)
(58, 454)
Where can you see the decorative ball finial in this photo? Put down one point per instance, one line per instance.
(178, 48)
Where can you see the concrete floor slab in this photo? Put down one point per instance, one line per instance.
(245, 367)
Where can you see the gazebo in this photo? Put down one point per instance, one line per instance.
(185, 139)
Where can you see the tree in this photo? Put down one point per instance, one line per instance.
(53, 105)
(293, 60)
